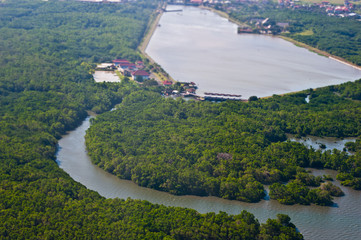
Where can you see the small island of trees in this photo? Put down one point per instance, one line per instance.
(230, 149)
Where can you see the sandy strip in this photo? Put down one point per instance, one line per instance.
(143, 46)
(318, 51)
(148, 36)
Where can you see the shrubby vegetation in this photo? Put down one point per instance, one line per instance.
(47, 50)
(229, 149)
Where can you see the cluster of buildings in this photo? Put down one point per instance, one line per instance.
(133, 70)
(331, 10)
(264, 26)
(341, 11)
(181, 89)
(136, 71)
(107, 1)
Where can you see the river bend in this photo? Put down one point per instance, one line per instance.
(315, 222)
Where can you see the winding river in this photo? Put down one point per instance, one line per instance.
(341, 221)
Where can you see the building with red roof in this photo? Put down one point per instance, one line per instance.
(120, 61)
(128, 66)
(167, 83)
(139, 64)
(190, 91)
(136, 75)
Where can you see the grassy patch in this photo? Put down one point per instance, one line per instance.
(121, 76)
(308, 32)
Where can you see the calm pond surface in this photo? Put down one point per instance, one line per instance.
(315, 222)
(105, 76)
(200, 46)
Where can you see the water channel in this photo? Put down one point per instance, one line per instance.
(200, 46)
(339, 222)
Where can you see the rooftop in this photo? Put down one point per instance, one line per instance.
(140, 73)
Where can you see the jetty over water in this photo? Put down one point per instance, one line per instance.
(222, 94)
(188, 90)
(173, 10)
(221, 99)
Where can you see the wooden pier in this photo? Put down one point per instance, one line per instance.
(222, 94)
(221, 99)
(175, 10)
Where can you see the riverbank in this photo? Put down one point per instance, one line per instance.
(315, 222)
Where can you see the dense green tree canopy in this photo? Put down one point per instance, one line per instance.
(228, 149)
(47, 50)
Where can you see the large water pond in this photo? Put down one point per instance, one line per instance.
(200, 46)
(339, 222)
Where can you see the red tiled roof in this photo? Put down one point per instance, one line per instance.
(166, 82)
(140, 73)
(120, 61)
(127, 64)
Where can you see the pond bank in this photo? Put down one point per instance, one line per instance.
(198, 45)
(297, 43)
(160, 76)
(323, 53)
(152, 27)
(163, 75)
